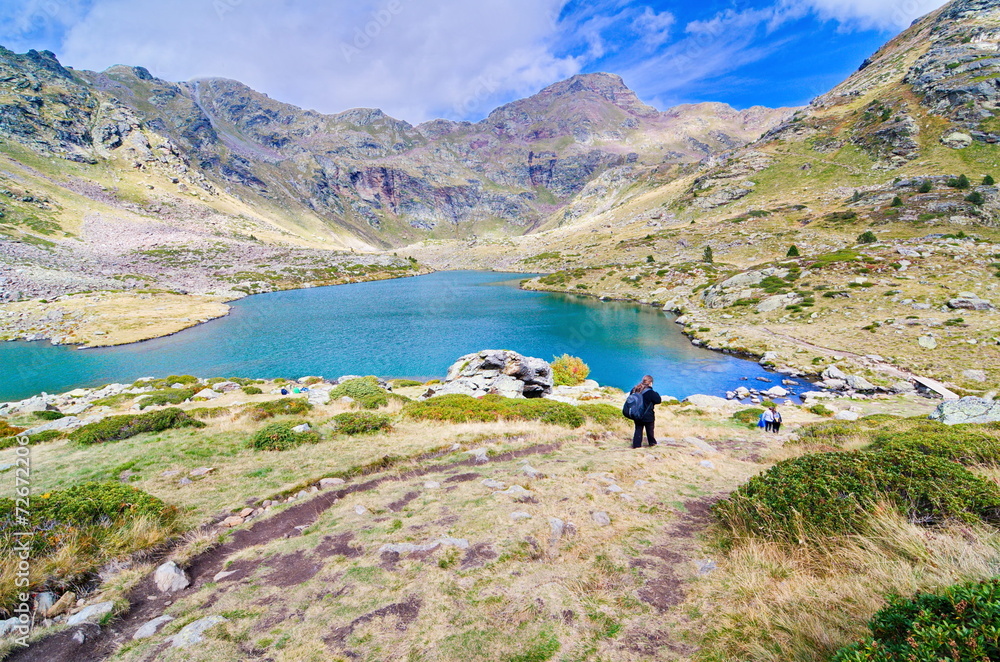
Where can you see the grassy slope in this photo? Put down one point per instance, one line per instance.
(628, 591)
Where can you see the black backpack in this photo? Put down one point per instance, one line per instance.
(635, 407)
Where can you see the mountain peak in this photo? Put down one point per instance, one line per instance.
(608, 86)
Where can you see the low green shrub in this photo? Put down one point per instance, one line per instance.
(405, 383)
(169, 396)
(259, 411)
(827, 494)
(40, 438)
(167, 382)
(569, 370)
(365, 392)
(966, 444)
(959, 624)
(48, 415)
(116, 428)
(465, 408)
(362, 422)
(209, 412)
(748, 416)
(88, 507)
(280, 437)
(600, 413)
(252, 390)
(821, 410)
(86, 525)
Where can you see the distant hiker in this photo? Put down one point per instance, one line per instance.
(639, 408)
(766, 420)
(775, 420)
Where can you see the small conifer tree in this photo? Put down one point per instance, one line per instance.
(897, 201)
(926, 187)
(707, 256)
(793, 251)
(867, 237)
(988, 180)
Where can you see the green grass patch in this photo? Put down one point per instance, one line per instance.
(280, 437)
(260, 411)
(365, 391)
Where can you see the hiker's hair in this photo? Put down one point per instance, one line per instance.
(647, 382)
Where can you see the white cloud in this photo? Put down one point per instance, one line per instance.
(865, 14)
(415, 59)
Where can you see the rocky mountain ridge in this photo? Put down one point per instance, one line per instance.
(378, 178)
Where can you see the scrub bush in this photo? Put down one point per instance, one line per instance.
(365, 391)
(748, 416)
(569, 370)
(959, 624)
(280, 437)
(602, 414)
(465, 408)
(827, 494)
(260, 411)
(169, 396)
(116, 428)
(362, 422)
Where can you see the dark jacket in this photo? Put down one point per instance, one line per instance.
(650, 398)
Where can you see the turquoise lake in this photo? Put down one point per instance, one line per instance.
(410, 327)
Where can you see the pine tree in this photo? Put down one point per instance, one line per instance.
(988, 180)
(707, 255)
(897, 201)
(793, 251)
(867, 237)
(926, 187)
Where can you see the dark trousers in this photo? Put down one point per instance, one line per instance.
(772, 426)
(639, 427)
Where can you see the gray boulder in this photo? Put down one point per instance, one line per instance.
(91, 614)
(193, 633)
(967, 410)
(860, 383)
(833, 372)
(497, 371)
(170, 578)
(150, 628)
(969, 301)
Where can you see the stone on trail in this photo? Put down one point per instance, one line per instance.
(231, 521)
(519, 515)
(517, 493)
(927, 342)
(193, 632)
(531, 472)
(360, 510)
(707, 464)
(700, 445)
(150, 628)
(557, 527)
(494, 484)
(62, 605)
(91, 614)
(847, 416)
(600, 518)
(967, 410)
(170, 578)
(479, 455)
(201, 471)
(330, 482)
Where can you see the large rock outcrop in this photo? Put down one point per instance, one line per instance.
(497, 371)
(967, 410)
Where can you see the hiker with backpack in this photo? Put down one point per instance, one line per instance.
(639, 408)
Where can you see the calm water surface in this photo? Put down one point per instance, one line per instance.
(411, 327)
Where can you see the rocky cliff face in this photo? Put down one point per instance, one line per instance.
(376, 177)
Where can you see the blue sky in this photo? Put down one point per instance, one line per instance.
(421, 59)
